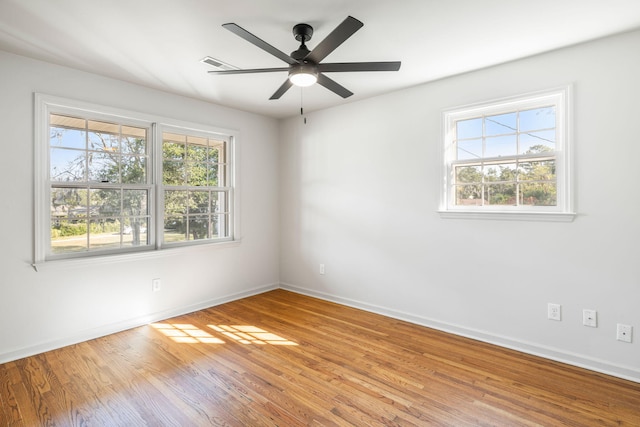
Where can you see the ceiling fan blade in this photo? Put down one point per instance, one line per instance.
(359, 66)
(239, 31)
(282, 89)
(333, 86)
(341, 33)
(248, 71)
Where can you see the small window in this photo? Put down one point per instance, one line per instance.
(508, 159)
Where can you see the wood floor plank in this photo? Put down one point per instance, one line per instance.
(9, 409)
(284, 359)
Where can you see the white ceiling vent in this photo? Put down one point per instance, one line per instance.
(220, 65)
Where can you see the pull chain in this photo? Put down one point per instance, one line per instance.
(301, 106)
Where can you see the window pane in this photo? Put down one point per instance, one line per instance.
(173, 172)
(220, 226)
(104, 233)
(172, 150)
(197, 174)
(103, 167)
(197, 153)
(175, 229)
(198, 227)
(175, 202)
(133, 145)
(70, 138)
(134, 169)
(537, 170)
(499, 146)
(220, 201)
(468, 174)
(469, 149)
(469, 128)
(134, 231)
(197, 140)
(538, 118)
(69, 203)
(216, 175)
(217, 152)
(134, 132)
(199, 202)
(106, 202)
(68, 236)
(538, 194)
(103, 127)
(67, 165)
(500, 172)
(135, 202)
(469, 195)
(174, 137)
(501, 124)
(67, 122)
(538, 142)
(500, 194)
(104, 142)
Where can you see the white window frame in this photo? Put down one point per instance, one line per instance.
(229, 188)
(563, 210)
(45, 105)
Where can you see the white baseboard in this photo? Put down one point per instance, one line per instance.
(101, 331)
(558, 355)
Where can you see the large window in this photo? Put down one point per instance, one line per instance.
(111, 181)
(508, 157)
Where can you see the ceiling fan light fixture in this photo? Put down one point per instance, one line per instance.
(303, 75)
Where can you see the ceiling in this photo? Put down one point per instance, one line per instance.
(159, 43)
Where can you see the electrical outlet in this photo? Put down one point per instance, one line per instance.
(554, 311)
(321, 268)
(624, 332)
(156, 284)
(590, 318)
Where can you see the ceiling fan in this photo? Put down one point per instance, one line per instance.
(305, 66)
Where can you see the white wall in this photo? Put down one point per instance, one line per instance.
(359, 192)
(56, 306)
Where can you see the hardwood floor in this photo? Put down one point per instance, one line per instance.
(282, 359)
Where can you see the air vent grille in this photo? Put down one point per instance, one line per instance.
(216, 63)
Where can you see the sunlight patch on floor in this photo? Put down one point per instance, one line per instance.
(244, 334)
(186, 333)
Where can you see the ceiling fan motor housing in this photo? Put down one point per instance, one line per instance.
(302, 32)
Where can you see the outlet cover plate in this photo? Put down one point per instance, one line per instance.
(554, 311)
(624, 333)
(590, 318)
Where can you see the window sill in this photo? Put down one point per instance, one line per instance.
(510, 216)
(64, 264)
